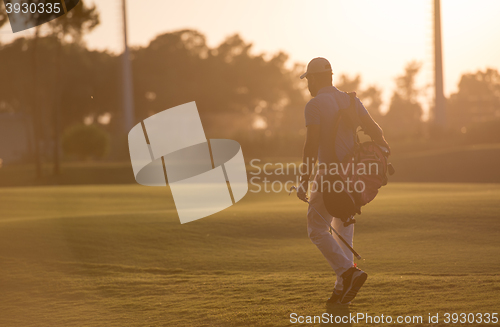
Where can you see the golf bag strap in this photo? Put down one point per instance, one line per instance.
(350, 114)
(347, 114)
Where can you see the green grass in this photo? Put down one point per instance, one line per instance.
(118, 256)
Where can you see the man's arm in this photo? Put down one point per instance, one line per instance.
(309, 157)
(371, 128)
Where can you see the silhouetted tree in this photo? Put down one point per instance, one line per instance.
(31, 19)
(233, 87)
(90, 88)
(348, 84)
(404, 117)
(477, 99)
(372, 100)
(371, 96)
(67, 29)
(3, 16)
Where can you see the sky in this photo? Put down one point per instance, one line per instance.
(375, 39)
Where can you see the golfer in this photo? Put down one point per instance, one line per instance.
(320, 115)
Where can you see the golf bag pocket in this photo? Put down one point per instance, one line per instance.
(339, 202)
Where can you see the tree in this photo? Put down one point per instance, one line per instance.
(372, 100)
(229, 83)
(3, 17)
(90, 88)
(67, 29)
(348, 84)
(406, 83)
(31, 19)
(85, 141)
(404, 117)
(169, 71)
(371, 96)
(77, 22)
(477, 99)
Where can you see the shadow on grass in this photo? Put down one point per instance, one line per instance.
(339, 315)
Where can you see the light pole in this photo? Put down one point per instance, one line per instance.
(439, 100)
(127, 86)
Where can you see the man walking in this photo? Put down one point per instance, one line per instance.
(320, 116)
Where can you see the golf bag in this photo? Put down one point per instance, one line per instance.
(362, 172)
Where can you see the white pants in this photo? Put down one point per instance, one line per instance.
(334, 250)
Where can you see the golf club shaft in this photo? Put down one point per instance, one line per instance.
(336, 233)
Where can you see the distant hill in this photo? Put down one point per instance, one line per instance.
(471, 164)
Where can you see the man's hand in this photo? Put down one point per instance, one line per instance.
(302, 190)
(308, 160)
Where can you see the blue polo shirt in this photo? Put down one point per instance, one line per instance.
(323, 110)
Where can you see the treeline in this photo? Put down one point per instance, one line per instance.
(237, 93)
(256, 99)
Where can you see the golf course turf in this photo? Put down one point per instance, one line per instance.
(116, 255)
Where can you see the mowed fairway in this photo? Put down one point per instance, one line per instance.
(118, 256)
